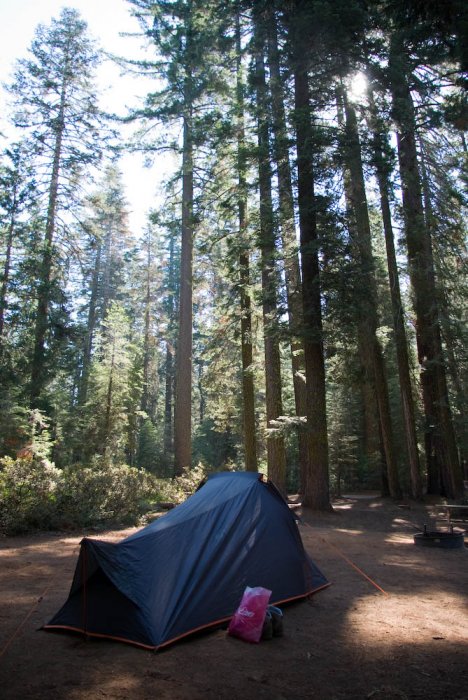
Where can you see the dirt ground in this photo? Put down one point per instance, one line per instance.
(393, 624)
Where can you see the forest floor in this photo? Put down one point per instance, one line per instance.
(393, 625)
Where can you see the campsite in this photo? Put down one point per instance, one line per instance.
(392, 624)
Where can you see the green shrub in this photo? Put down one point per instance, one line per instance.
(28, 494)
(35, 495)
(104, 493)
(177, 490)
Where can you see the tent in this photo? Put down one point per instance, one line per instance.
(187, 570)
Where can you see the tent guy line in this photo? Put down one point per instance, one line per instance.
(343, 556)
(33, 609)
(21, 625)
(354, 566)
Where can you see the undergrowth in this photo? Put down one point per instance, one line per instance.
(36, 495)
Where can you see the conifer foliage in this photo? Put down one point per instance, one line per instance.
(56, 106)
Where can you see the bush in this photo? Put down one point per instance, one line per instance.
(35, 495)
(28, 493)
(177, 490)
(104, 493)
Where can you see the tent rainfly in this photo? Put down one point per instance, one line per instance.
(187, 570)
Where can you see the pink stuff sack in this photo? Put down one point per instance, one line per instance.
(247, 622)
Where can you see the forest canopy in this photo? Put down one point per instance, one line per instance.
(296, 304)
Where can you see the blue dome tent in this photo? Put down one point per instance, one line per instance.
(187, 570)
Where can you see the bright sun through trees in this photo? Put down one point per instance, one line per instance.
(358, 87)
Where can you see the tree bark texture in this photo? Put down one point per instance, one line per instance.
(90, 326)
(38, 369)
(248, 389)
(270, 278)
(367, 293)
(316, 487)
(6, 276)
(183, 382)
(147, 349)
(401, 343)
(169, 364)
(443, 468)
(292, 271)
(109, 401)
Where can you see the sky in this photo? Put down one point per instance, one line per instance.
(106, 19)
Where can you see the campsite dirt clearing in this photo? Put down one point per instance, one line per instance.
(393, 625)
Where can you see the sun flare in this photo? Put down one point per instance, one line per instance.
(358, 87)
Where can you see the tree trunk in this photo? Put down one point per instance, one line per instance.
(109, 401)
(370, 443)
(145, 401)
(459, 391)
(6, 275)
(452, 477)
(443, 468)
(90, 326)
(183, 383)
(38, 370)
(168, 398)
(371, 447)
(248, 390)
(379, 145)
(169, 364)
(107, 292)
(316, 487)
(367, 293)
(275, 443)
(288, 231)
(13, 207)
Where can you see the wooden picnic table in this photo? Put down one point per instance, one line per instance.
(450, 514)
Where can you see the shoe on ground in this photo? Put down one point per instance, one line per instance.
(267, 632)
(277, 620)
